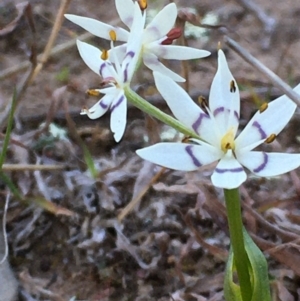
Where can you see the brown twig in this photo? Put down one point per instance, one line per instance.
(35, 67)
(31, 167)
(22, 86)
(56, 27)
(276, 80)
(54, 51)
(269, 23)
(134, 201)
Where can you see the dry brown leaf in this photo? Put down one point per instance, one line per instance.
(14, 15)
(188, 188)
(51, 207)
(281, 292)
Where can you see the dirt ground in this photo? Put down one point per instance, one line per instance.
(173, 245)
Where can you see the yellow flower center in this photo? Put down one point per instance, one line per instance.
(227, 142)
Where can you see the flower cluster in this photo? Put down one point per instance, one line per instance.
(216, 124)
(117, 66)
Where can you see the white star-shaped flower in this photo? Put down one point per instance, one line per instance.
(116, 75)
(218, 127)
(156, 38)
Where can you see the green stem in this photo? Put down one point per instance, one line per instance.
(8, 129)
(241, 259)
(148, 108)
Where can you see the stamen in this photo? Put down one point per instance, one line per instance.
(186, 139)
(271, 138)
(113, 35)
(104, 55)
(263, 107)
(232, 86)
(219, 45)
(93, 92)
(227, 141)
(143, 4)
(203, 102)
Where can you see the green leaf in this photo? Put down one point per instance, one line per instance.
(232, 290)
(258, 270)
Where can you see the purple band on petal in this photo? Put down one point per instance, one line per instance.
(218, 110)
(196, 125)
(125, 73)
(221, 170)
(118, 103)
(260, 130)
(103, 105)
(102, 66)
(236, 114)
(130, 53)
(263, 165)
(222, 110)
(190, 152)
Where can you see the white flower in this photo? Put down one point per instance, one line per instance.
(218, 128)
(156, 37)
(116, 75)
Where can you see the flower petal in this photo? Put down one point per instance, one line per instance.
(91, 56)
(185, 110)
(161, 24)
(153, 63)
(224, 98)
(119, 51)
(97, 28)
(134, 44)
(179, 156)
(174, 52)
(269, 164)
(271, 121)
(100, 108)
(125, 9)
(229, 173)
(118, 118)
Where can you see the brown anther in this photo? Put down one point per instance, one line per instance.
(186, 139)
(93, 92)
(113, 35)
(202, 101)
(104, 55)
(271, 138)
(263, 107)
(219, 45)
(143, 4)
(232, 86)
